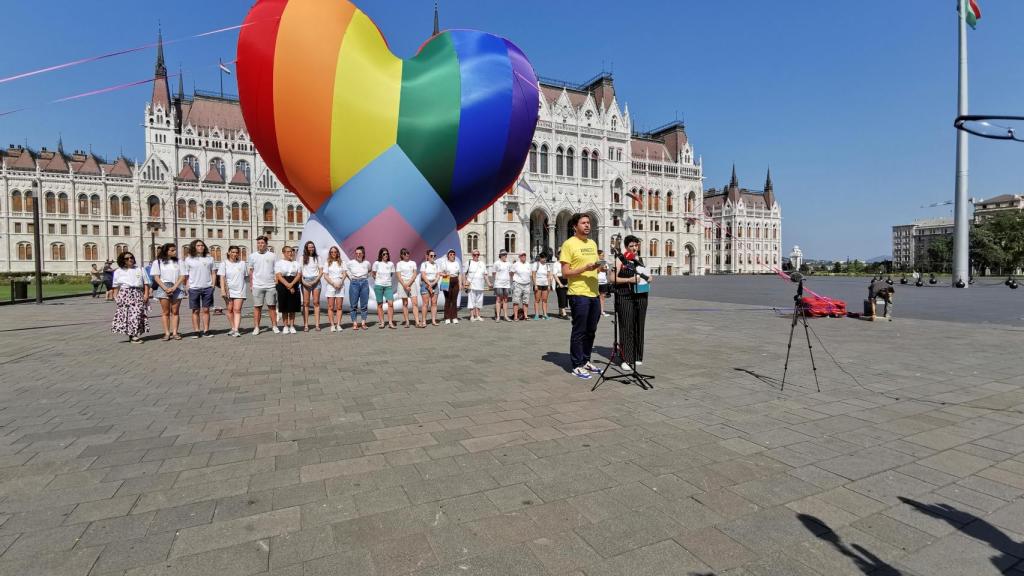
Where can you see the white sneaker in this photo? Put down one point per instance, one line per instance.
(339, 328)
(639, 362)
(276, 329)
(332, 327)
(447, 321)
(292, 329)
(626, 367)
(256, 331)
(456, 321)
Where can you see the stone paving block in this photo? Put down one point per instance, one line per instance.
(76, 562)
(714, 548)
(348, 562)
(403, 556)
(514, 497)
(889, 486)
(956, 463)
(775, 490)
(301, 546)
(34, 520)
(241, 560)
(564, 552)
(200, 539)
(52, 539)
(243, 505)
(56, 498)
(314, 472)
(511, 561)
(892, 531)
(190, 494)
(172, 519)
(666, 557)
(957, 554)
(126, 554)
(615, 536)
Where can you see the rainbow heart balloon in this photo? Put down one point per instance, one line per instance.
(384, 152)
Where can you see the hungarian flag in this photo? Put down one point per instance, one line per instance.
(973, 13)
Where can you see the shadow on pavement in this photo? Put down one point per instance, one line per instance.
(866, 562)
(971, 525)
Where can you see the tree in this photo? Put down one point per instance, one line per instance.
(997, 242)
(856, 267)
(837, 267)
(804, 267)
(939, 254)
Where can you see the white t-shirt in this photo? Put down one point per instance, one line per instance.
(358, 270)
(199, 270)
(451, 267)
(521, 272)
(129, 277)
(429, 269)
(501, 270)
(384, 270)
(406, 270)
(642, 270)
(262, 268)
(602, 276)
(168, 271)
(476, 275)
(287, 267)
(310, 269)
(235, 274)
(334, 271)
(542, 270)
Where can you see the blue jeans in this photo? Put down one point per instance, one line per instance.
(358, 297)
(586, 313)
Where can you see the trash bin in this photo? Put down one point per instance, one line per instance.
(19, 289)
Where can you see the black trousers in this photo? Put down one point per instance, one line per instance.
(631, 315)
(562, 293)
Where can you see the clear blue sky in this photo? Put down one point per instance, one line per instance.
(851, 103)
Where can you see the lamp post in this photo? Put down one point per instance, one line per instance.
(37, 240)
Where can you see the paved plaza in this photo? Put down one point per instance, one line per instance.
(470, 450)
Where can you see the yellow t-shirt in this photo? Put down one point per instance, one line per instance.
(578, 253)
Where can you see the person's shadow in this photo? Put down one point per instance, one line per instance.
(560, 359)
(976, 528)
(866, 562)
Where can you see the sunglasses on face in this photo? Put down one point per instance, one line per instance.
(129, 257)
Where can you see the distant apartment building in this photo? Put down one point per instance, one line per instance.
(1005, 203)
(910, 242)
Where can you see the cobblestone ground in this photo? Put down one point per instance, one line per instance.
(469, 450)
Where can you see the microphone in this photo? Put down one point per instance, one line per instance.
(628, 259)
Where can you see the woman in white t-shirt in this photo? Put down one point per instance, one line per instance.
(131, 298)
(502, 270)
(288, 273)
(451, 270)
(428, 288)
(167, 280)
(542, 281)
(234, 274)
(310, 285)
(358, 270)
(405, 276)
(476, 282)
(383, 273)
(334, 282)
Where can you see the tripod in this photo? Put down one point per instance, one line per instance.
(616, 358)
(799, 315)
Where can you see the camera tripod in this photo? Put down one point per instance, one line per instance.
(616, 358)
(799, 316)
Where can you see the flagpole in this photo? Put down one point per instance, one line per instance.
(220, 68)
(961, 222)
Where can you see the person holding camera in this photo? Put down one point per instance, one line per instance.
(631, 286)
(580, 264)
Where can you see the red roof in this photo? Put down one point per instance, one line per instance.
(213, 176)
(240, 178)
(56, 163)
(120, 169)
(24, 161)
(188, 174)
(90, 166)
(213, 112)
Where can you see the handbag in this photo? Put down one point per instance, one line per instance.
(443, 286)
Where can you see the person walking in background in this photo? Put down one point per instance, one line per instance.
(358, 271)
(131, 297)
(579, 261)
(428, 288)
(383, 273)
(522, 274)
(542, 280)
(310, 285)
(108, 279)
(233, 274)
(561, 292)
(502, 270)
(405, 276)
(96, 279)
(288, 274)
(603, 287)
(888, 295)
(334, 284)
(631, 307)
(198, 272)
(263, 283)
(451, 274)
(476, 283)
(167, 278)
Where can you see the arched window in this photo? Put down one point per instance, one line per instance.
(83, 205)
(670, 248)
(115, 206)
(291, 214)
(615, 122)
(58, 251)
(298, 214)
(208, 210)
(617, 191)
(690, 199)
(192, 162)
(472, 242)
(245, 253)
(219, 210)
(154, 206)
(126, 206)
(533, 157)
(510, 242)
(215, 253)
(245, 211)
(51, 203)
(653, 249)
(775, 233)
(90, 252)
(268, 212)
(24, 251)
(570, 161)
(236, 212)
(218, 165)
(650, 200)
(657, 200)
(544, 159)
(584, 164)
(16, 201)
(120, 249)
(193, 209)
(182, 208)
(668, 202)
(62, 203)
(750, 231)
(243, 167)
(94, 204)
(559, 161)
(637, 199)
(593, 165)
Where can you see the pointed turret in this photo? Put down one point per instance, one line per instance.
(181, 84)
(734, 182)
(161, 91)
(769, 192)
(437, 28)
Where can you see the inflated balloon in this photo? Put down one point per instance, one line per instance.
(384, 152)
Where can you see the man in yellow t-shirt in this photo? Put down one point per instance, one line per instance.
(579, 266)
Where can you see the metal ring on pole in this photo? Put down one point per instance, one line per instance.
(992, 127)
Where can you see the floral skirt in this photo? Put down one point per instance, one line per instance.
(130, 316)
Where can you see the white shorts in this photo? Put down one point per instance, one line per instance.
(476, 299)
(401, 292)
(332, 292)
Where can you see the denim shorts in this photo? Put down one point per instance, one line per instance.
(200, 298)
(159, 294)
(423, 288)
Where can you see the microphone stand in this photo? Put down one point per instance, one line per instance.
(616, 358)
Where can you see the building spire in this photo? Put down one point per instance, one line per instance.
(437, 28)
(181, 84)
(734, 182)
(161, 68)
(768, 181)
